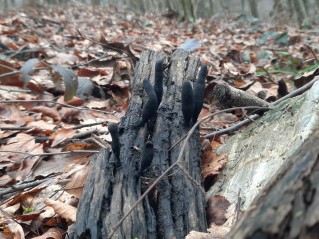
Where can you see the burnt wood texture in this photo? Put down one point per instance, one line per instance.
(187, 102)
(199, 92)
(150, 108)
(113, 129)
(159, 76)
(177, 205)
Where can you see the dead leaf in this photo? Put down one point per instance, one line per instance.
(29, 216)
(216, 209)
(61, 135)
(77, 181)
(75, 101)
(306, 77)
(21, 163)
(68, 113)
(218, 231)
(10, 229)
(43, 126)
(65, 211)
(14, 80)
(21, 196)
(49, 218)
(52, 233)
(12, 114)
(79, 146)
(87, 72)
(7, 210)
(198, 235)
(51, 112)
(211, 162)
(6, 180)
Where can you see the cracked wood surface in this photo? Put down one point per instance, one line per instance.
(176, 206)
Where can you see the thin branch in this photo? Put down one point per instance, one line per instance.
(15, 128)
(74, 127)
(179, 159)
(89, 125)
(13, 72)
(191, 178)
(232, 128)
(21, 186)
(178, 141)
(49, 101)
(48, 154)
(10, 68)
(268, 75)
(9, 73)
(97, 140)
(23, 91)
(254, 117)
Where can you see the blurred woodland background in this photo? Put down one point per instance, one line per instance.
(301, 12)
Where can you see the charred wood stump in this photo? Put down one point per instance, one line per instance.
(176, 205)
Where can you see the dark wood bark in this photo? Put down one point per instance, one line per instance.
(176, 206)
(289, 206)
(229, 96)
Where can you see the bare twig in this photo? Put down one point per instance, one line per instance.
(13, 72)
(178, 141)
(232, 128)
(22, 186)
(10, 68)
(179, 159)
(89, 125)
(191, 178)
(97, 140)
(9, 73)
(48, 154)
(74, 127)
(313, 53)
(254, 117)
(23, 91)
(268, 75)
(15, 128)
(53, 102)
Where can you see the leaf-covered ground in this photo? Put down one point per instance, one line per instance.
(48, 136)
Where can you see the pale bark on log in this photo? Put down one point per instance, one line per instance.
(176, 206)
(289, 206)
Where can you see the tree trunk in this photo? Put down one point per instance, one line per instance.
(253, 8)
(176, 206)
(288, 207)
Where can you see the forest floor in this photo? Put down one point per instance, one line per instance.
(48, 136)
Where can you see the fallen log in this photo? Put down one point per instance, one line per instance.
(288, 207)
(177, 205)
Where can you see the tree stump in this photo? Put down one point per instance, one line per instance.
(176, 206)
